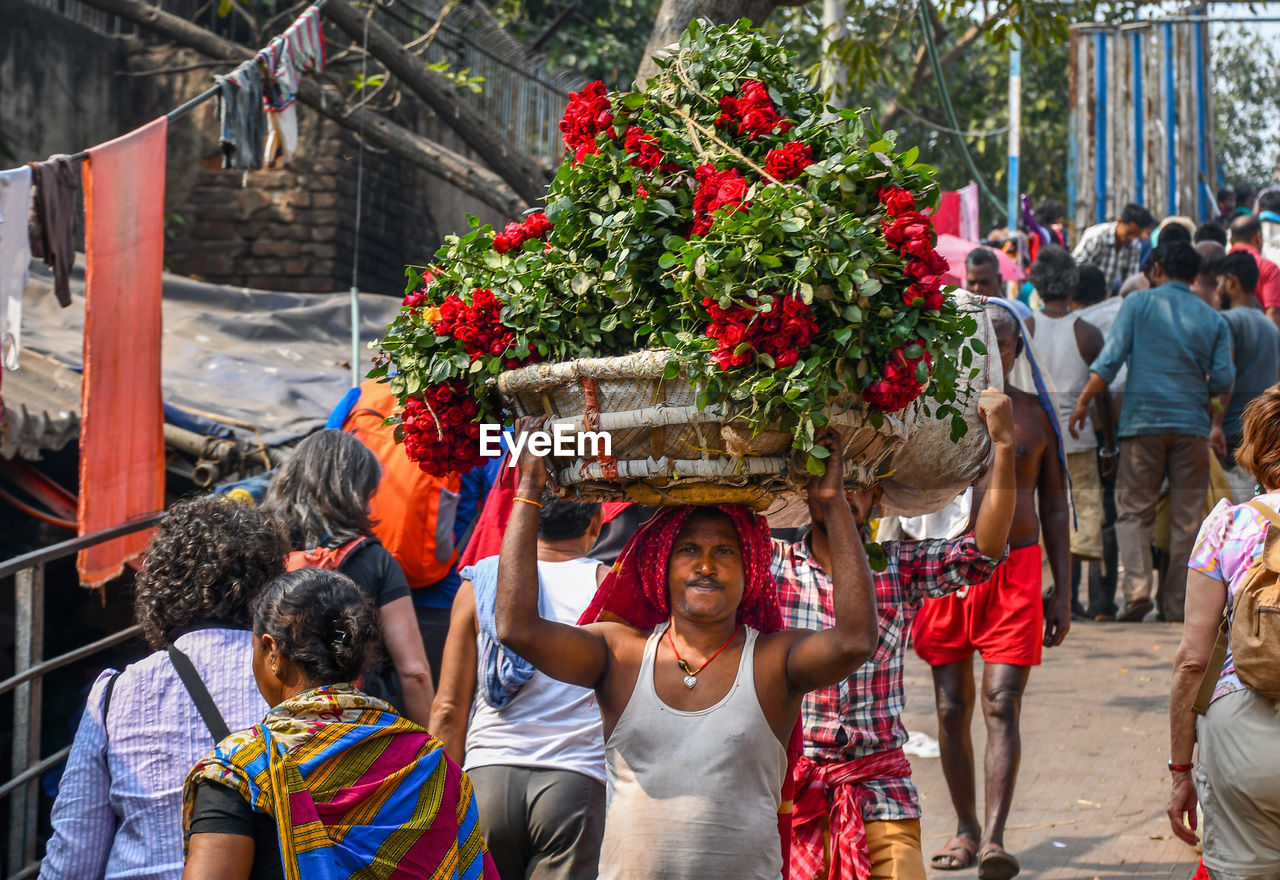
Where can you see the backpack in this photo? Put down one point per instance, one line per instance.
(1252, 625)
(413, 512)
(323, 557)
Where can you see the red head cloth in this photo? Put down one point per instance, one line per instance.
(635, 591)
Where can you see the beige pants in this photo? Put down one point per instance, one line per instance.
(1086, 493)
(1144, 462)
(1238, 783)
(895, 850)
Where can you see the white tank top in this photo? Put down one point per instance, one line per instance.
(548, 724)
(1059, 356)
(693, 795)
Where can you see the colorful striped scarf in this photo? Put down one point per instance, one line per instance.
(355, 789)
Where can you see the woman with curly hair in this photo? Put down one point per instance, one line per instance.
(118, 811)
(333, 783)
(321, 496)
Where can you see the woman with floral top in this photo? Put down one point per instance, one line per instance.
(1237, 777)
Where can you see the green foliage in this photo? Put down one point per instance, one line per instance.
(879, 57)
(622, 271)
(1246, 80)
(601, 39)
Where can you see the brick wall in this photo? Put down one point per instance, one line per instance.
(294, 228)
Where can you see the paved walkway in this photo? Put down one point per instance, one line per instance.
(1093, 785)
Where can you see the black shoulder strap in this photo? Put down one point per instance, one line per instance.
(200, 694)
(106, 698)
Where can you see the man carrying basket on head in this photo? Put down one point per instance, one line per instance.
(699, 686)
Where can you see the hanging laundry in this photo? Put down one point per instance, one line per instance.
(242, 118)
(15, 258)
(122, 421)
(300, 48)
(53, 219)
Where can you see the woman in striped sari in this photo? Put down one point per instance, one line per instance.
(333, 783)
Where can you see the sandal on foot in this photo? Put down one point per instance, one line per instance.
(996, 864)
(956, 854)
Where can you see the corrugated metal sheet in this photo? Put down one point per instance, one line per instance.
(41, 407)
(1141, 119)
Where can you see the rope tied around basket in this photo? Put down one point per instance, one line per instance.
(591, 422)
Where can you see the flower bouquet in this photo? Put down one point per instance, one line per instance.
(766, 256)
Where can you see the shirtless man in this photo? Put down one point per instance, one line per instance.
(1004, 620)
(698, 713)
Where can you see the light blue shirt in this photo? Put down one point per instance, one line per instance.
(118, 815)
(1178, 351)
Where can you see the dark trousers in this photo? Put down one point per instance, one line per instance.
(433, 623)
(540, 824)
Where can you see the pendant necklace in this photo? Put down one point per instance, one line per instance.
(691, 675)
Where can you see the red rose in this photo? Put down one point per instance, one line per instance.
(587, 114)
(415, 299)
(896, 200)
(537, 225)
(644, 146)
(752, 112)
(718, 189)
(789, 160)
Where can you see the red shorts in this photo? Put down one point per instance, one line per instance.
(1002, 618)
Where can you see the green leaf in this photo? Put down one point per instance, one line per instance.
(877, 559)
(820, 452)
(813, 465)
(667, 260)
(671, 370)
(581, 283)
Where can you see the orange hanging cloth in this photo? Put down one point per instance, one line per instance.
(122, 417)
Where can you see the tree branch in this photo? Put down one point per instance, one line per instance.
(463, 173)
(522, 172)
(924, 71)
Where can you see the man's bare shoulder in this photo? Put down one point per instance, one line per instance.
(1028, 410)
(617, 634)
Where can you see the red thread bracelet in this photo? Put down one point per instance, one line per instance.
(1179, 768)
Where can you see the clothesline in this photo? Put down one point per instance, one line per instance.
(184, 109)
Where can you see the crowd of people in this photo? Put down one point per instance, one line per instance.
(376, 673)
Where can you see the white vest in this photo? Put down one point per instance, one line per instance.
(548, 724)
(1059, 356)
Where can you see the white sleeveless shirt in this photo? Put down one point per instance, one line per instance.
(693, 795)
(1059, 357)
(548, 724)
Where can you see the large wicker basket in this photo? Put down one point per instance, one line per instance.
(667, 451)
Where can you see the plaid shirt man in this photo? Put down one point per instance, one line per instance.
(863, 714)
(1098, 248)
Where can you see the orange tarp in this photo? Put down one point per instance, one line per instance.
(122, 422)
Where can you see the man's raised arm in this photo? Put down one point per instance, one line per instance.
(829, 656)
(577, 655)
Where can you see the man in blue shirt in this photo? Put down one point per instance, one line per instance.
(1178, 350)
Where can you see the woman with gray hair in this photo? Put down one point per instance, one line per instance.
(321, 497)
